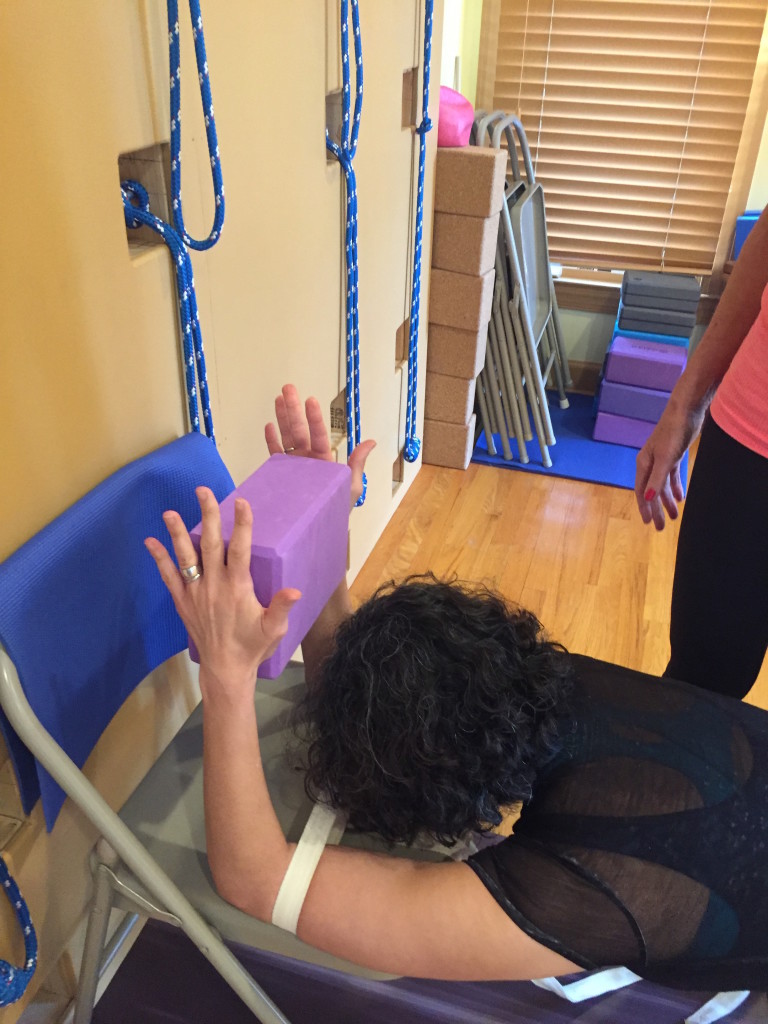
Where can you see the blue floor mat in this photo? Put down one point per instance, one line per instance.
(575, 455)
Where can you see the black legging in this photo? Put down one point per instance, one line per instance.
(719, 625)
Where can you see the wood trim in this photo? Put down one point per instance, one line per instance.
(588, 297)
(585, 376)
(489, 47)
(591, 297)
(744, 166)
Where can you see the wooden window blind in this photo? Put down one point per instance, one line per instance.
(634, 114)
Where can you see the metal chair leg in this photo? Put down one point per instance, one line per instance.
(95, 939)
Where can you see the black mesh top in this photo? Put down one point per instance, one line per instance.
(645, 842)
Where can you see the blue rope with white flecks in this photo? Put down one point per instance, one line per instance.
(174, 53)
(175, 235)
(344, 151)
(412, 443)
(137, 212)
(14, 980)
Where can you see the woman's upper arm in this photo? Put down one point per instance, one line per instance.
(418, 919)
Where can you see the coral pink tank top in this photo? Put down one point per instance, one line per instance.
(740, 407)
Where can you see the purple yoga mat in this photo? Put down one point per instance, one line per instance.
(165, 980)
(300, 526)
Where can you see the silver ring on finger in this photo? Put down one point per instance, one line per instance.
(191, 573)
(289, 450)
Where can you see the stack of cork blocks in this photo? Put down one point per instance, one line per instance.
(469, 190)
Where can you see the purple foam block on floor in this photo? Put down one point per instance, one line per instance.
(300, 523)
(645, 364)
(622, 430)
(629, 400)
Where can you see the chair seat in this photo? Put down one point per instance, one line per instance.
(166, 814)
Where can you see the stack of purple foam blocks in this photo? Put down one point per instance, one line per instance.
(647, 354)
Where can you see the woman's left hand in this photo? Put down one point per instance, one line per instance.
(233, 632)
(301, 431)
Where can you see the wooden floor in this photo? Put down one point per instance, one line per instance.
(576, 554)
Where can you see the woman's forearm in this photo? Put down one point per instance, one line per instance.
(247, 851)
(318, 643)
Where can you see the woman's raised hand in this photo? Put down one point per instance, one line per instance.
(233, 632)
(301, 430)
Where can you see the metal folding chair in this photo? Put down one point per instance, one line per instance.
(84, 618)
(527, 332)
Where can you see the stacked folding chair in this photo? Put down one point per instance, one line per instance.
(525, 348)
(647, 354)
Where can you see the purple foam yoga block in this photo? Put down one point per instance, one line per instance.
(621, 430)
(646, 364)
(300, 524)
(628, 400)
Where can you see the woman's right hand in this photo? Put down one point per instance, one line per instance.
(658, 486)
(301, 431)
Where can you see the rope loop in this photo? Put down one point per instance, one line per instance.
(136, 197)
(138, 214)
(14, 980)
(411, 449)
(344, 150)
(412, 443)
(174, 57)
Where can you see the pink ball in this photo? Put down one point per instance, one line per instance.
(454, 119)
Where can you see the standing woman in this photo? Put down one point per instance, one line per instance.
(719, 616)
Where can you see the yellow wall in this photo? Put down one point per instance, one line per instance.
(461, 39)
(758, 193)
(89, 366)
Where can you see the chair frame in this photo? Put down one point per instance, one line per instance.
(117, 842)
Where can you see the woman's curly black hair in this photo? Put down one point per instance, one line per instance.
(434, 711)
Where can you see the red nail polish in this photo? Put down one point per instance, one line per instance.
(650, 494)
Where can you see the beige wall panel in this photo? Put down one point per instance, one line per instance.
(90, 374)
(85, 386)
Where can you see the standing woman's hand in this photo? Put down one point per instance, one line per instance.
(658, 484)
(301, 431)
(233, 632)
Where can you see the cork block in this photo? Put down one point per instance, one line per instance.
(450, 399)
(448, 444)
(455, 352)
(460, 300)
(464, 244)
(470, 181)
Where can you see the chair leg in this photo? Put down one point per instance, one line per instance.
(95, 938)
(484, 413)
(567, 379)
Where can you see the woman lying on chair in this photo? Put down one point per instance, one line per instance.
(435, 708)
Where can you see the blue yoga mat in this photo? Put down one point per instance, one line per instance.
(575, 455)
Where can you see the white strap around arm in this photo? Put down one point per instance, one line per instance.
(324, 826)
